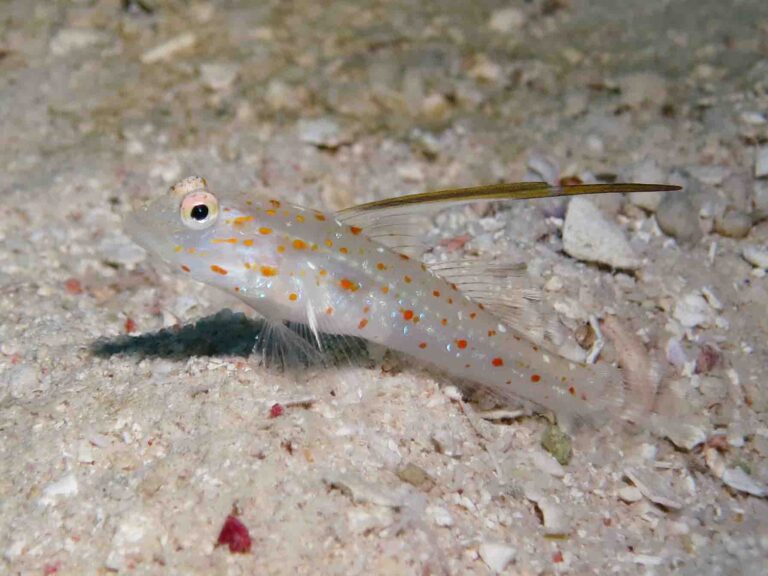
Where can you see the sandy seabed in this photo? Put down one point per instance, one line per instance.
(134, 421)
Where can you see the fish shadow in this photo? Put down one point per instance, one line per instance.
(228, 333)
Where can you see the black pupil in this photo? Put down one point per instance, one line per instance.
(199, 212)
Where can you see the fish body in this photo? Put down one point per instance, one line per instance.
(303, 265)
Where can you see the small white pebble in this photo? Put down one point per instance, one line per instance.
(506, 20)
(65, 486)
(630, 494)
(218, 76)
(496, 556)
(756, 255)
(739, 480)
(441, 516)
(167, 50)
(554, 284)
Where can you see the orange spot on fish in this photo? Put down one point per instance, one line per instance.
(329, 310)
(362, 323)
(444, 321)
(264, 230)
(355, 230)
(344, 250)
(320, 217)
(405, 257)
(329, 243)
(224, 240)
(535, 378)
(270, 212)
(323, 272)
(436, 293)
(450, 300)
(299, 218)
(242, 220)
(491, 333)
(408, 314)
(178, 249)
(407, 279)
(381, 266)
(275, 203)
(497, 362)
(571, 390)
(191, 250)
(422, 345)
(473, 315)
(268, 271)
(185, 267)
(461, 344)
(293, 296)
(281, 248)
(219, 270)
(347, 284)
(384, 289)
(299, 244)
(366, 309)
(248, 242)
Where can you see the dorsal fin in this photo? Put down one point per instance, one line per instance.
(399, 223)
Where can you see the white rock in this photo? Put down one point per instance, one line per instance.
(70, 39)
(485, 70)
(441, 516)
(595, 144)
(630, 494)
(14, 550)
(546, 463)
(682, 435)
(359, 490)
(693, 310)
(496, 556)
(648, 171)
(362, 521)
(323, 132)
(653, 487)
(121, 250)
(588, 235)
(411, 172)
(761, 162)
(752, 118)
(169, 49)
(506, 20)
(739, 480)
(135, 536)
(85, 452)
(65, 486)
(554, 284)
(756, 255)
(219, 76)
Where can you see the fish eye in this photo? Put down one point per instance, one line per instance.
(199, 210)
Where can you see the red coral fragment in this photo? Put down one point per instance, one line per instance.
(276, 410)
(557, 557)
(235, 535)
(708, 358)
(130, 325)
(73, 286)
